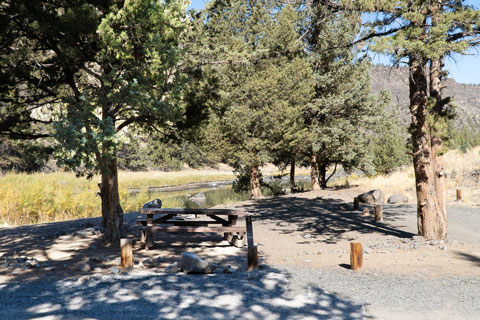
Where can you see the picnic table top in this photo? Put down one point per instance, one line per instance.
(207, 212)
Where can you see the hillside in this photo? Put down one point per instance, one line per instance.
(395, 80)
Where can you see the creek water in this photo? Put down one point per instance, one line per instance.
(209, 194)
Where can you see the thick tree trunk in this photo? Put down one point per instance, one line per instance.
(431, 216)
(314, 172)
(292, 174)
(322, 171)
(255, 183)
(112, 212)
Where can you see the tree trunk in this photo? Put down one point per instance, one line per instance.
(112, 212)
(431, 217)
(292, 174)
(322, 171)
(314, 172)
(255, 183)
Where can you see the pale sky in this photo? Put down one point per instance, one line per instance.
(464, 69)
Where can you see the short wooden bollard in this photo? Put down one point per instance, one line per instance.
(459, 194)
(252, 258)
(378, 213)
(356, 255)
(252, 249)
(356, 203)
(126, 253)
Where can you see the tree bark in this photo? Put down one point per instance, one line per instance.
(314, 172)
(431, 217)
(292, 174)
(255, 183)
(112, 212)
(322, 172)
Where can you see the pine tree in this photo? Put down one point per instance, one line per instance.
(134, 79)
(264, 81)
(342, 111)
(422, 34)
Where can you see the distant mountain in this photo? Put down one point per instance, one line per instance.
(395, 81)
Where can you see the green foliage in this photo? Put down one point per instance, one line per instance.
(342, 111)
(264, 79)
(23, 156)
(462, 139)
(387, 145)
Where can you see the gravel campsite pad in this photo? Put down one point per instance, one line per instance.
(63, 271)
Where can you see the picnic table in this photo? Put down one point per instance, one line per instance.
(180, 221)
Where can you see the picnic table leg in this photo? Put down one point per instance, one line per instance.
(149, 239)
(228, 236)
(252, 249)
(239, 240)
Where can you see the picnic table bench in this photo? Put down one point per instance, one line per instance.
(176, 220)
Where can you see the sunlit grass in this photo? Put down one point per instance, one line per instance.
(40, 198)
(460, 170)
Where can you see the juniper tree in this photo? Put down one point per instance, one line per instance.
(342, 110)
(422, 34)
(135, 79)
(263, 80)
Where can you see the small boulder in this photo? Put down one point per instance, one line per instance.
(191, 263)
(173, 268)
(199, 199)
(372, 197)
(84, 267)
(156, 203)
(115, 270)
(397, 198)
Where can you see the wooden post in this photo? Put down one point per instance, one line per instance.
(252, 258)
(252, 249)
(356, 255)
(459, 194)
(378, 213)
(356, 203)
(148, 239)
(126, 253)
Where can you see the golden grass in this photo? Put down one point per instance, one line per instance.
(41, 198)
(458, 166)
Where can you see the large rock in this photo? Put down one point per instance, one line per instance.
(157, 203)
(397, 198)
(199, 198)
(173, 268)
(372, 197)
(191, 263)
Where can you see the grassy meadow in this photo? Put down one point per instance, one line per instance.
(41, 198)
(463, 172)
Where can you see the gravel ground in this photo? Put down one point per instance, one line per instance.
(263, 294)
(434, 284)
(284, 293)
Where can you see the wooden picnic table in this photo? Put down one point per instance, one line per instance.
(174, 220)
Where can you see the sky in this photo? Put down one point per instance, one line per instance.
(464, 69)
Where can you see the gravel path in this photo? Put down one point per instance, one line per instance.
(398, 281)
(262, 294)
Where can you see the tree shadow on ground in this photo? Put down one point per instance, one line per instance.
(61, 246)
(324, 217)
(470, 257)
(261, 294)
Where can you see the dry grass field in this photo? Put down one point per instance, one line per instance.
(463, 172)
